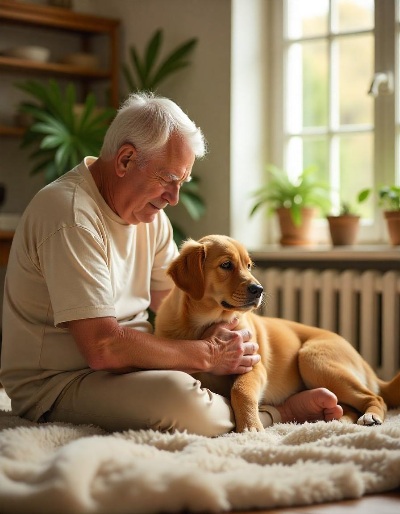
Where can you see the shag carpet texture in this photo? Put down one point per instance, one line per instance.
(60, 468)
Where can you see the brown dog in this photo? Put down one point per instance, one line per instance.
(213, 284)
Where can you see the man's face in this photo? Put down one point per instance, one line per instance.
(145, 189)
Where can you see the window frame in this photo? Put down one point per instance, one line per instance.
(386, 126)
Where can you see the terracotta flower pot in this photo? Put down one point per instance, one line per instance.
(293, 235)
(343, 229)
(393, 224)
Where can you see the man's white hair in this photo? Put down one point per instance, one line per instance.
(147, 121)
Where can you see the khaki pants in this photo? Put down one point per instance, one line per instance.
(158, 400)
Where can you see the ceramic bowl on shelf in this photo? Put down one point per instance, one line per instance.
(82, 60)
(30, 53)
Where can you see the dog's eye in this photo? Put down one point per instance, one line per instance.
(226, 265)
(249, 266)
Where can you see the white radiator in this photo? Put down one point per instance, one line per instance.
(363, 307)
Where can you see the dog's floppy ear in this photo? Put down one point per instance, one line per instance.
(187, 269)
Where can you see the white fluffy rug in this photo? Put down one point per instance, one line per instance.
(59, 468)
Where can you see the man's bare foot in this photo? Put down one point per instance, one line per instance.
(313, 405)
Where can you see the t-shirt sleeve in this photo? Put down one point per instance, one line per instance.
(75, 267)
(166, 251)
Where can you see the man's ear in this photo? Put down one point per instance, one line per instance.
(187, 269)
(126, 153)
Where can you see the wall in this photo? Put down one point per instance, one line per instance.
(249, 106)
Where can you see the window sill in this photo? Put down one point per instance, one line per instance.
(327, 253)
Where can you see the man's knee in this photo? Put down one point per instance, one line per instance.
(184, 405)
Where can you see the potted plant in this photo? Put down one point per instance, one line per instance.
(146, 73)
(344, 227)
(64, 137)
(295, 203)
(389, 199)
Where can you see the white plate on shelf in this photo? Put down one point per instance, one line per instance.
(30, 53)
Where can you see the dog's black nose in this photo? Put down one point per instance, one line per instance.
(255, 290)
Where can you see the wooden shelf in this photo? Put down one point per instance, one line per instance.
(51, 68)
(19, 13)
(6, 130)
(56, 17)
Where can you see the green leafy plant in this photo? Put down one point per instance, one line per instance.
(190, 198)
(281, 191)
(389, 197)
(347, 209)
(146, 75)
(64, 137)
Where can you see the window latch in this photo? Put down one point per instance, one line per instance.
(382, 84)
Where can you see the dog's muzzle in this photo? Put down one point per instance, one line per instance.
(254, 291)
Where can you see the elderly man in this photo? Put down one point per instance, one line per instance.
(88, 258)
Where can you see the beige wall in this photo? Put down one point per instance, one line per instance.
(249, 105)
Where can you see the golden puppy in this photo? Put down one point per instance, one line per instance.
(213, 284)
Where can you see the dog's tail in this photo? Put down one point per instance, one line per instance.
(390, 392)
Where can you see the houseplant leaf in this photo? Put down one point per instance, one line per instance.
(153, 49)
(193, 203)
(137, 66)
(129, 78)
(65, 138)
(163, 73)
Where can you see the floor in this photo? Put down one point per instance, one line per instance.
(384, 503)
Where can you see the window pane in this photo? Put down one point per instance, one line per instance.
(356, 171)
(315, 153)
(356, 68)
(355, 15)
(303, 153)
(307, 18)
(315, 84)
(307, 85)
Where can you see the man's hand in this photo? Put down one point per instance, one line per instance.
(231, 352)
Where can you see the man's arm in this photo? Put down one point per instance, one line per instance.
(108, 346)
(156, 298)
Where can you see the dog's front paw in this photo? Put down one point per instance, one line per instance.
(369, 420)
(249, 426)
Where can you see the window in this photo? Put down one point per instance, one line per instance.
(331, 51)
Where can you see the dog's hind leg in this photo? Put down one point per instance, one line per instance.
(334, 364)
(350, 415)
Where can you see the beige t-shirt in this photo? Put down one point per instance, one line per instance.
(73, 258)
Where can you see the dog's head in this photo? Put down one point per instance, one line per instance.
(217, 269)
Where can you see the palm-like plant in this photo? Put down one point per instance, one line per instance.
(64, 137)
(280, 191)
(147, 75)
